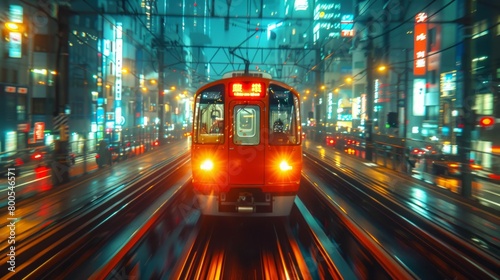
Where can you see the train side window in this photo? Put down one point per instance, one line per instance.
(247, 120)
(284, 116)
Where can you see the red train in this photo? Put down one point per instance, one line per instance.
(246, 146)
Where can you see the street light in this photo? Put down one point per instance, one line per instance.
(14, 27)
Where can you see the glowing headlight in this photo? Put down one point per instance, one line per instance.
(284, 166)
(207, 165)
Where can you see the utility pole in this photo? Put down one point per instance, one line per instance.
(405, 94)
(60, 163)
(161, 105)
(318, 100)
(465, 139)
(369, 100)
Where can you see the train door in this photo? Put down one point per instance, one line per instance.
(246, 146)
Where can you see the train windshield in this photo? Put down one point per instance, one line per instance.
(284, 122)
(209, 116)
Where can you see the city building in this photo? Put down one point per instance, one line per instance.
(24, 75)
(420, 44)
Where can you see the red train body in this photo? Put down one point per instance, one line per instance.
(246, 147)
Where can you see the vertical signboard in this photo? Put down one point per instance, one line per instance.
(15, 45)
(118, 75)
(119, 61)
(419, 97)
(15, 38)
(347, 25)
(16, 13)
(329, 106)
(363, 115)
(420, 45)
(39, 130)
(447, 85)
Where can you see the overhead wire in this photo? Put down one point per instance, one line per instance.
(380, 35)
(443, 49)
(428, 55)
(413, 18)
(318, 64)
(132, 39)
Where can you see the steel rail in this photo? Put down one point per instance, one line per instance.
(394, 267)
(32, 233)
(95, 216)
(459, 254)
(138, 236)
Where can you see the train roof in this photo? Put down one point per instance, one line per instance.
(249, 74)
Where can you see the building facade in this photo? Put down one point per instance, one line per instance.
(421, 45)
(24, 74)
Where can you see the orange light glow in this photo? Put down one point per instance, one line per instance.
(476, 166)
(495, 149)
(14, 27)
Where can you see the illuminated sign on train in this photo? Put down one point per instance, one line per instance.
(247, 89)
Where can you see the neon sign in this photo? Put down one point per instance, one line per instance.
(119, 61)
(118, 74)
(420, 45)
(15, 38)
(301, 5)
(347, 25)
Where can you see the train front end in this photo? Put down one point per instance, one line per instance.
(246, 148)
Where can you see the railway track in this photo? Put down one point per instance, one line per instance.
(295, 247)
(53, 251)
(243, 249)
(323, 238)
(425, 248)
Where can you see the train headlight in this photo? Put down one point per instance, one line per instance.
(284, 166)
(207, 165)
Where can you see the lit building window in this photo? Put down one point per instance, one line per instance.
(44, 77)
(484, 104)
(498, 26)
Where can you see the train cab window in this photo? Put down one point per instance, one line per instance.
(217, 126)
(246, 124)
(278, 135)
(284, 122)
(209, 116)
